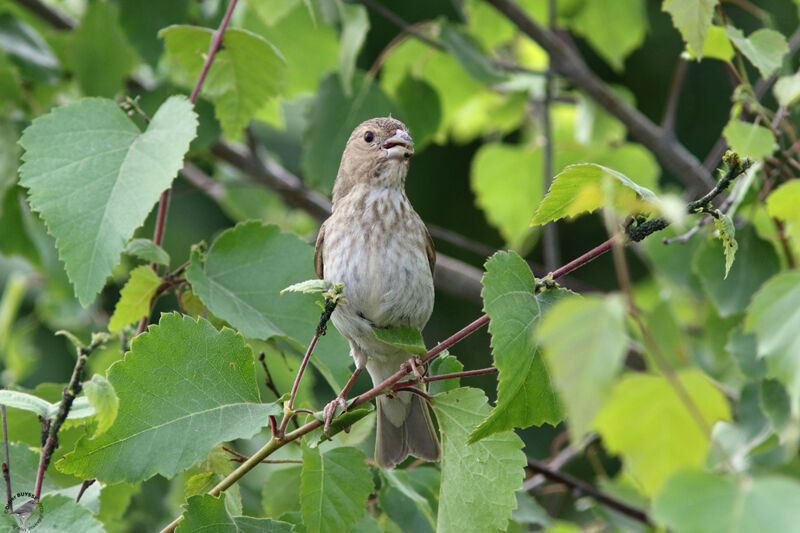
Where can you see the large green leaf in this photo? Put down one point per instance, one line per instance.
(183, 388)
(755, 262)
(241, 278)
(334, 488)
(692, 18)
(100, 56)
(584, 343)
(764, 48)
(748, 139)
(646, 422)
(478, 480)
(525, 396)
(205, 512)
(774, 317)
(579, 189)
(94, 177)
(508, 186)
(333, 117)
(245, 74)
(704, 502)
(613, 28)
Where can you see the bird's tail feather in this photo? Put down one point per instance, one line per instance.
(414, 434)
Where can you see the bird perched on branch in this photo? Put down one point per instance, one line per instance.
(379, 248)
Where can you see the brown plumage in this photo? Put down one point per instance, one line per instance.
(377, 245)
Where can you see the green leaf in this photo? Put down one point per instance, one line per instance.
(101, 395)
(774, 317)
(727, 234)
(160, 406)
(782, 204)
(464, 502)
(644, 416)
(405, 338)
(764, 48)
(775, 403)
(245, 74)
(332, 118)
(355, 25)
(135, 297)
(422, 110)
(294, 35)
(579, 189)
(148, 250)
(749, 139)
(241, 279)
(88, 158)
(717, 46)
(756, 262)
(205, 512)
(404, 504)
(584, 343)
(692, 18)
(714, 503)
(787, 89)
(309, 286)
(444, 364)
(614, 29)
(43, 408)
(525, 396)
(100, 56)
(28, 50)
(334, 488)
(285, 500)
(468, 52)
(508, 186)
(57, 513)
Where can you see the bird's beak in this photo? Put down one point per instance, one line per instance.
(399, 146)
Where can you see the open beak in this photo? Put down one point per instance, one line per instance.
(399, 146)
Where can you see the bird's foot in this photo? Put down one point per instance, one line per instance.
(329, 412)
(417, 367)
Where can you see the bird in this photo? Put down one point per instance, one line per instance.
(378, 247)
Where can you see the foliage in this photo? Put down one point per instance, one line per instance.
(150, 340)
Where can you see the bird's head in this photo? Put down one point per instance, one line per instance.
(376, 154)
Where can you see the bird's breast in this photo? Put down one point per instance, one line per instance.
(375, 245)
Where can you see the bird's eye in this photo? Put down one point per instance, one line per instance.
(369, 136)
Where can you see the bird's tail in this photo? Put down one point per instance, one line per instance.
(404, 428)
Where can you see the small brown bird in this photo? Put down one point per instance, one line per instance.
(379, 248)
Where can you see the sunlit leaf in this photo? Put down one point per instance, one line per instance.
(613, 28)
(692, 18)
(748, 139)
(764, 48)
(135, 297)
(646, 421)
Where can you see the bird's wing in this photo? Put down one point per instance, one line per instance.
(430, 251)
(318, 266)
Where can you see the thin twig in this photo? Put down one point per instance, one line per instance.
(560, 459)
(7, 462)
(454, 375)
(85, 485)
(671, 109)
(238, 457)
(288, 410)
(52, 16)
(551, 251)
(163, 203)
(71, 391)
(785, 244)
(588, 490)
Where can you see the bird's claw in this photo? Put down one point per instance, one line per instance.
(329, 412)
(414, 365)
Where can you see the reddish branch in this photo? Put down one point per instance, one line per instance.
(163, 204)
